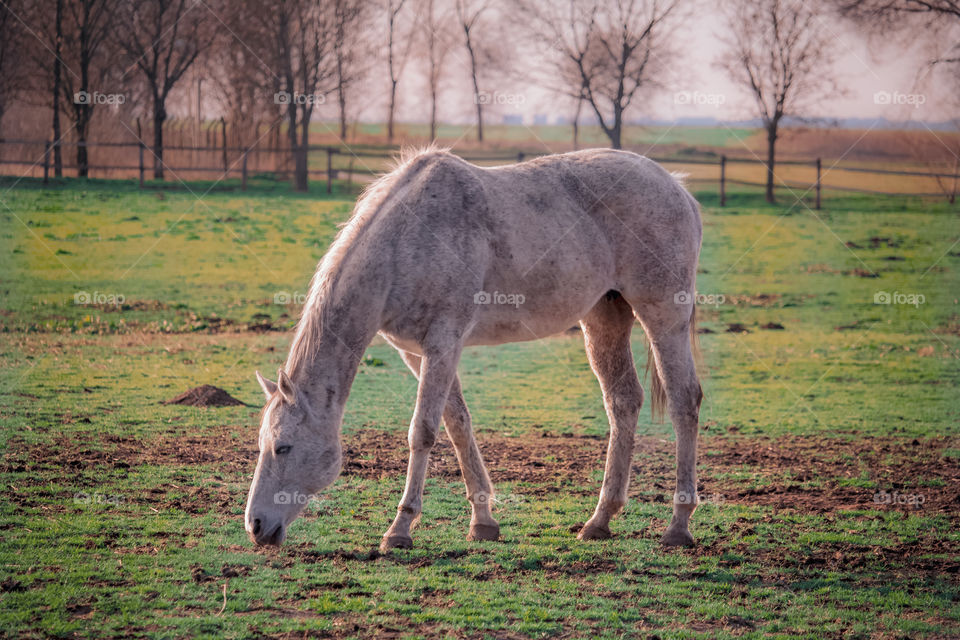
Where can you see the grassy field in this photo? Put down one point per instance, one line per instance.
(830, 456)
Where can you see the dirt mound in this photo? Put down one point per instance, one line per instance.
(206, 395)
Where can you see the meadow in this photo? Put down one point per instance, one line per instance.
(829, 457)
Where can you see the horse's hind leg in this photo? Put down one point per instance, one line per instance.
(456, 420)
(667, 325)
(606, 331)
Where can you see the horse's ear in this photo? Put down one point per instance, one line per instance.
(269, 388)
(285, 385)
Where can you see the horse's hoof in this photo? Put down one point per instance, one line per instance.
(677, 538)
(395, 542)
(484, 532)
(594, 532)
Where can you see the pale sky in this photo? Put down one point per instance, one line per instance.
(705, 90)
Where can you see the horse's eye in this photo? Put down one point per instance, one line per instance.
(282, 450)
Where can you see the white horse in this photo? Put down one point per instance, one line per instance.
(440, 254)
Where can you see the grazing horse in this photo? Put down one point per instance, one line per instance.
(440, 254)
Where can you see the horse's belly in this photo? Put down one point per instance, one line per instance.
(530, 313)
(490, 331)
(514, 316)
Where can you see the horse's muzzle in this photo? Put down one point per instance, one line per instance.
(266, 534)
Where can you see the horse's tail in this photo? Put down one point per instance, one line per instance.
(658, 392)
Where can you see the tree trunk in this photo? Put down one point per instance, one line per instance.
(479, 114)
(393, 107)
(300, 176)
(476, 92)
(159, 118)
(771, 155)
(83, 123)
(300, 168)
(576, 124)
(615, 132)
(57, 157)
(393, 78)
(476, 86)
(433, 114)
(84, 112)
(83, 162)
(342, 100)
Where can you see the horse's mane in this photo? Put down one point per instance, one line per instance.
(307, 336)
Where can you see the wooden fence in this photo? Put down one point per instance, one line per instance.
(135, 160)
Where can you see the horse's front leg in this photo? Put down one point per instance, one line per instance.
(438, 367)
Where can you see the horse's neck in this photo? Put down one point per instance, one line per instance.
(325, 371)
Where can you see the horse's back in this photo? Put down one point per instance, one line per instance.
(609, 206)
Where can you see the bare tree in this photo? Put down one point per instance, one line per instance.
(479, 50)
(894, 15)
(291, 39)
(162, 38)
(42, 55)
(436, 45)
(87, 27)
(348, 48)
(55, 88)
(242, 88)
(606, 51)
(936, 24)
(780, 52)
(397, 56)
(13, 80)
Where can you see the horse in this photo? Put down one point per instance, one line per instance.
(440, 254)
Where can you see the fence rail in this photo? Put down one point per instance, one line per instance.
(233, 161)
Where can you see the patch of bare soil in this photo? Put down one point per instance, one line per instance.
(811, 474)
(206, 395)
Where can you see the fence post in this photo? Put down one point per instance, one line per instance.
(243, 179)
(329, 170)
(818, 184)
(46, 161)
(519, 157)
(226, 166)
(956, 174)
(140, 152)
(723, 180)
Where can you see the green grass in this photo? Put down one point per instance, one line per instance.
(149, 553)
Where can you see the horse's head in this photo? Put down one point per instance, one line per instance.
(299, 456)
